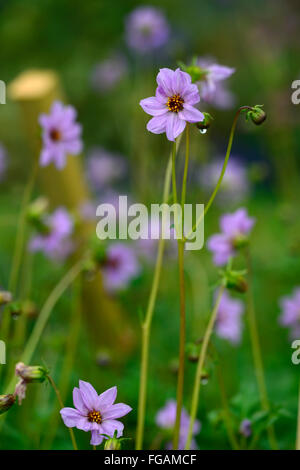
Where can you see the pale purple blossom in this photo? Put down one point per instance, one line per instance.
(95, 413)
(3, 162)
(290, 312)
(173, 103)
(108, 73)
(235, 184)
(56, 242)
(166, 417)
(212, 88)
(104, 167)
(120, 266)
(228, 323)
(146, 29)
(61, 135)
(246, 428)
(235, 227)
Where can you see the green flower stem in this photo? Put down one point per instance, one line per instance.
(18, 250)
(298, 422)
(256, 351)
(72, 435)
(200, 365)
(182, 334)
(146, 325)
(41, 322)
(228, 151)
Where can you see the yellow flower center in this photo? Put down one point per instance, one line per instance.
(95, 417)
(175, 103)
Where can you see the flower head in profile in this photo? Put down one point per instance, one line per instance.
(212, 89)
(107, 74)
(290, 312)
(235, 184)
(166, 417)
(104, 167)
(146, 29)
(61, 135)
(246, 428)
(119, 267)
(98, 414)
(55, 237)
(3, 162)
(173, 103)
(228, 322)
(236, 228)
(28, 375)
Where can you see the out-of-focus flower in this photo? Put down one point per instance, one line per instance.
(166, 417)
(108, 73)
(27, 375)
(95, 413)
(235, 184)
(228, 322)
(246, 428)
(119, 267)
(147, 245)
(173, 103)
(236, 228)
(212, 88)
(5, 297)
(146, 29)
(3, 162)
(6, 402)
(61, 135)
(290, 312)
(56, 242)
(104, 167)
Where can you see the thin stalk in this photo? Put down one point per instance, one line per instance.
(227, 414)
(256, 352)
(46, 310)
(180, 379)
(146, 325)
(298, 422)
(72, 435)
(200, 365)
(228, 151)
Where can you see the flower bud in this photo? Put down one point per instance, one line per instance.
(36, 215)
(112, 444)
(257, 115)
(15, 309)
(206, 123)
(31, 374)
(192, 351)
(235, 281)
(5, 297)
(6, 402)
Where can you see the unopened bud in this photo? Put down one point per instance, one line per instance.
(6, 402)
(257, 115)
(206, 123)
(15, 309)
(36, 214)
(5, 297)
(31, 374)
(112, 444)
(236, 281)
(192, 351)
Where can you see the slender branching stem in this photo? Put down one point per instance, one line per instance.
(200, 365)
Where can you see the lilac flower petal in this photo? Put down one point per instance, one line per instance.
(165, 80)
(89, 395)
(220, 72)
(109, 427)
(71, 417)
(78, 401)
(175, 126)
(191, 114)
(153, 106)
(108, 397)
(96, 438)
(157, 125)
(116, 411)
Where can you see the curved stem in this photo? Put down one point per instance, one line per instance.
(212, 197)
(46, 310)
(200, 365)
(72, 435)
(256, 351)
(146, 326)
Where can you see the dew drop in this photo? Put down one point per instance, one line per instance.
(202, 131)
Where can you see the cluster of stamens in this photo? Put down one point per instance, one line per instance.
(55, 135)
(175, 103)
(95, 417)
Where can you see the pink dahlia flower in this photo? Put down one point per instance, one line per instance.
(95, 413)
(235, 227)
(173, 103)
(61, 135)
